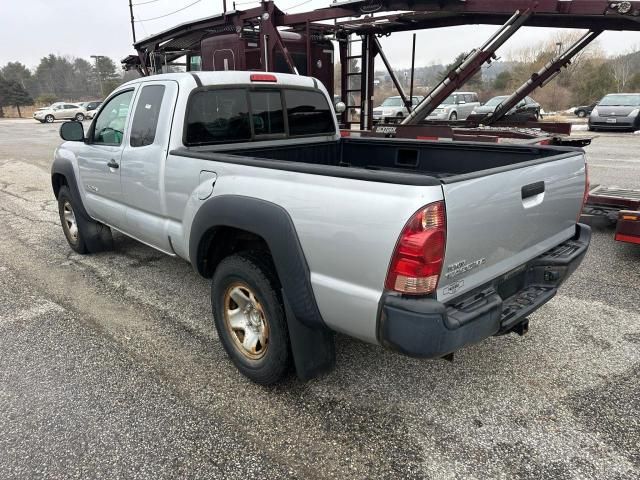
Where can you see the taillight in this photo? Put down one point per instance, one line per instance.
(263, 77)
(587, 186)
(419, 254)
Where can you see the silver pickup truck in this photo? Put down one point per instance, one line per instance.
(422, 247)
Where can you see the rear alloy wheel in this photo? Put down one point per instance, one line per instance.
(245, 321)
(249, 317)
(79, 117)
(49, 118)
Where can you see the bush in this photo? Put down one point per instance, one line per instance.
(46, 99)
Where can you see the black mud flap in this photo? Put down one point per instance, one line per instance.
(313, 349)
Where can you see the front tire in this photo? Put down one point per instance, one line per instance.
(69, 219)
(83, 234)
(79, 117)
(582, 114)
(49, 119)
(453, 117)
(249, 317)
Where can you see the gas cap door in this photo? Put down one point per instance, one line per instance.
(207, 182)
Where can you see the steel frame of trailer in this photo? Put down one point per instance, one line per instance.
(594, 15)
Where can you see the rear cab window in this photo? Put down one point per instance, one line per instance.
(226, 115)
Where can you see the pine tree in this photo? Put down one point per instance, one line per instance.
(17, 96)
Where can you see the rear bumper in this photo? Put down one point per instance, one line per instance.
(428, 328)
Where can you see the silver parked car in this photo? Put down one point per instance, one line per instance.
(457, 106)
(393, 107)
(60, 111)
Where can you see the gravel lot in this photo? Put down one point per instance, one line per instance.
(110, 368)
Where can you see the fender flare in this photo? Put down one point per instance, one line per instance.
(312, 343)
(65, 168)
(274, 225)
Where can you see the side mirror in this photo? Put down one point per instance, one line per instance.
(72, 132)
(340, 107)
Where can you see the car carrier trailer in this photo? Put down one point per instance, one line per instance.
(266, 38)
(612, 205)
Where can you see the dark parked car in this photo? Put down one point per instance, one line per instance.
(616, 111)
(527, 109)
(584, 111)
(91, 108)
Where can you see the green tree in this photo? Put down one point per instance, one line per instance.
(597, 80)
(17, 96)
(107, 75)
(473, 82)
(634, 83)
(503, 80)
(54, 75)
(4, 89)
(84, 83)
(17, 72)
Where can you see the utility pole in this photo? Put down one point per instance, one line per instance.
(133, 27)
(97, 57)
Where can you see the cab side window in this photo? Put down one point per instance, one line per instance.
(110, 123)
(145, 118)
(217, 116)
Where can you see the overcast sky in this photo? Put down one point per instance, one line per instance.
(31, 29)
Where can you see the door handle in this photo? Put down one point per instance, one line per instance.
(532, 189)
(113, 164)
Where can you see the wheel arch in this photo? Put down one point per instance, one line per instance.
(259, 224)
(266, 225)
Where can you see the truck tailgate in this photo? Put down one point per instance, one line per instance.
(497, 221)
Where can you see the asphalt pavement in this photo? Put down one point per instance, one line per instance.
(110, 367)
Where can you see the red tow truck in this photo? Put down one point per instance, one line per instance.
(619, 205)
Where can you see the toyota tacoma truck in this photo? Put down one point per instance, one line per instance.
(421, 247)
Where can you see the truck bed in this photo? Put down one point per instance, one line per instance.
(439, 160)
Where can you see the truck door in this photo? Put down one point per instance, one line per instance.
(99, 160)
(142, 166)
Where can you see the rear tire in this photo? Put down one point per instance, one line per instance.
(582, 114)
(249, 317)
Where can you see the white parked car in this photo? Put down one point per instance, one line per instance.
(393, 107)
(60, 111)
(457, 106)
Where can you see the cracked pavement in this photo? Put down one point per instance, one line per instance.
(110, 367)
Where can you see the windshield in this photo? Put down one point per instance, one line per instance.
(621, 100)
(495, 101)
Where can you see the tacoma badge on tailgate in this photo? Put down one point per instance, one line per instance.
(462, 266)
